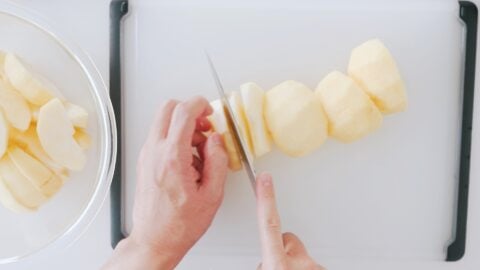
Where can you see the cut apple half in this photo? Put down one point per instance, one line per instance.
(351, 114)
(220, 125)
(295, 118)
(25, 81)
(22, 189)
(253, 100)
(55, 133)
(15, 107)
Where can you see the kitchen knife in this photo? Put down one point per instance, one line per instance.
(241, 145)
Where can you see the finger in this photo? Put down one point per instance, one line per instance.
(203, 124)
(197, 164)
(161, 122)
(184, 119)
(215, 166)
(269, 220)
(198, 138)
(293, 245)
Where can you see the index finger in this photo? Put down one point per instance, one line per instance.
(269, 221)
(184, 119)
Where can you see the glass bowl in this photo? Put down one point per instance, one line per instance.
(66, 216)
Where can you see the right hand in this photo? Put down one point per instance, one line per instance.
(279, 251)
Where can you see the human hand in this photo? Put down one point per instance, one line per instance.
(178, 192)
(279, 252)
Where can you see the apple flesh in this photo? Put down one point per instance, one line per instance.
(9, 201)
(30, 167)
(77, 115)
(16, 109)
(374, 69)
(295, 118)
(21, 188)
(55, 133)
(237, 106)
(350, 112)
(253, 98)
(25, 81)
(220, 125)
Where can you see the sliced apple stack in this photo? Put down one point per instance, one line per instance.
(42, 137)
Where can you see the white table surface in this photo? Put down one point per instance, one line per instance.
(87, 22)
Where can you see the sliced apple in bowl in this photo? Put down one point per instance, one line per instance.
(55, 133)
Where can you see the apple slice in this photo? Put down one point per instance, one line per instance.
(350, 112)
(21, 188)
(82, 138)
(77, 114)
(30, 167)
(9, 201)
(374, 69)
(29, 142)
(295, 118)
(236, 104)
(14, 107)
(220, 125)
(253, 99)
(25, 81)
(3, 135)
(55, 133)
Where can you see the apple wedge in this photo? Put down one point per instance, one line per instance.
(29, 167)
(220, 125)
(350, 112)
(295, 118)
(374, 69)
(29, 142)
(15, 107)
(9, 201)
(77, 115)
(4, 131)
(55, 133)
(21, 188)
(25, 81)
(52, 186)
(253, 99)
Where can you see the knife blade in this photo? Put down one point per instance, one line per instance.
(234, 126)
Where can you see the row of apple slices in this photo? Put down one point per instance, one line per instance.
(42, 137)
(299, 120)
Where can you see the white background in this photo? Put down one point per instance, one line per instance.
(87, 22)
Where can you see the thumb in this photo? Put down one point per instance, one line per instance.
(215, 165)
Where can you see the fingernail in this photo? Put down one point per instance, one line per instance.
(266, 179)
(217, 139)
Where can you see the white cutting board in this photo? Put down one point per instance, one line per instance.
(390, 195)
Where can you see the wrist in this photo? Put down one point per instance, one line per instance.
(147, 256)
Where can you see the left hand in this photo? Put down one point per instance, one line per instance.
(180, 181)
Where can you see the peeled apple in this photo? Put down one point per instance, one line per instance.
(374, 69)
(295, 118)
(351, 114)
(14, 107)
(237, 106)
